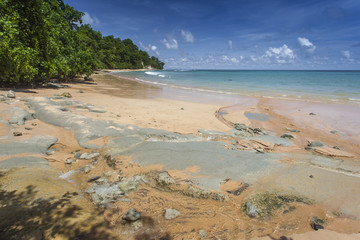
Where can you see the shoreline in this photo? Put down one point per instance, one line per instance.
(147, 110)
(253, 94)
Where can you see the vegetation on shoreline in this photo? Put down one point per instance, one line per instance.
(45, 39)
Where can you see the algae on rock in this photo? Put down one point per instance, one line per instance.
(263, 205)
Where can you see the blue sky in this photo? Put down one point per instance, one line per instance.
(235, 34)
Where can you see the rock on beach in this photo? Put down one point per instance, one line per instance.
(88, 156)
(288, 136)
(316, 143)
(131, 215)
(171, 214)
(10, 94)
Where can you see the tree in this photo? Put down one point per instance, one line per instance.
(45, 39)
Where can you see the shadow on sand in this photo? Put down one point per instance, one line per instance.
(23, 216)
(280, 238)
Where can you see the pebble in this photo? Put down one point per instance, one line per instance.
(131, 215)
(313, 114)
(87, 169)
(288, 136)
(94, 178)
(89, 156)
(28, 128)
(50, 152)
(68, 161)
(101, 181)
(165, 179)
(66, 94)
(17, 134)
(293, 130)
(202, 233)
(316, 223)
(316, 143)
(10, 94)
(259, 150)
(259, 131)
(251, 210)
(171, 214)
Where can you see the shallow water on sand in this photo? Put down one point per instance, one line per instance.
(333, 86)
(257, 116)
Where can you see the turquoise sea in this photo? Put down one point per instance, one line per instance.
(333, 86)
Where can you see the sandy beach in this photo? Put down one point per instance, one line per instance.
(193, 165)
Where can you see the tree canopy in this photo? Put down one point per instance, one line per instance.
(45, 39)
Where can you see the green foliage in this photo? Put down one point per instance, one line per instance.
(45, 39)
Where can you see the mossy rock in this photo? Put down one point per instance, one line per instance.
(204, 194)
(110, 161)
(267, 203)
(66, 94)
(317, 223)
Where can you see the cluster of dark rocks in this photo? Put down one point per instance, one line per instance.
(246, 131)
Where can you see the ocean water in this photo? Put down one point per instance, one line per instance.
(333, 86)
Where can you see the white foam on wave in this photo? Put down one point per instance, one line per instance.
(152, 73)
(159, 74)
(151, 82)
(354, 100)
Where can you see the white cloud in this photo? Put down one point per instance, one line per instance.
(87, 19)
(187, 36)
(305, 43)
(234, 60)
(346, 54)
(170, 43)
(225, 58)
(281, 55)
(347, 57)
(153, 48)
(230, 43)
(284, 52)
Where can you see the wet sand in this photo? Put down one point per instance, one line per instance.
(173, 110)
